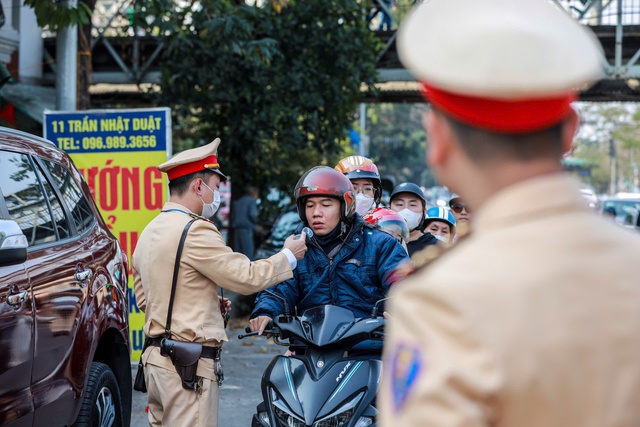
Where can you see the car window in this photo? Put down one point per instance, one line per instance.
(622, 207)
(286, 225)
(24, 198)
(59, 215)
(72, 196)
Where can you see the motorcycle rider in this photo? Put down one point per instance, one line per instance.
(408, 200)
(462, 213)
(390, 222)
(441, 223)
(348, 263)
(364, 176)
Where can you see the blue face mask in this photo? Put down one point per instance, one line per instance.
(210, 209)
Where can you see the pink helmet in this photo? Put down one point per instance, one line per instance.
(388, 221)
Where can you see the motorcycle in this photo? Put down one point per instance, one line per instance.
(321, 385)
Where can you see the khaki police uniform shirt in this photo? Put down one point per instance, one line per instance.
(207, 264)
(532, 320)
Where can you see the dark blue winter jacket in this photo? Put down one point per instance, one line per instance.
(359, 275)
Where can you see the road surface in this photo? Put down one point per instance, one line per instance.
(243, 363)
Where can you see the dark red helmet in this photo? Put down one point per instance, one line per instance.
(359, 167)
(324, 181)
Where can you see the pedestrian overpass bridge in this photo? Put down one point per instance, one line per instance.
(120, 56)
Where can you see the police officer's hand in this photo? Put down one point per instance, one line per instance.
(297, 246)
(225, 304)
(259, 324)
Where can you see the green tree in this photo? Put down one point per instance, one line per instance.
(58, 14)
(602, 125)
(278, 83)
(398, 142)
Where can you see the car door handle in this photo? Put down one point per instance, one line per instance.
(83, 275)
(17, 299)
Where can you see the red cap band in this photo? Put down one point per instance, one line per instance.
(504, 116)
(193, 167)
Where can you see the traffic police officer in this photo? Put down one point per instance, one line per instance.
(534, 318)
(205, 265)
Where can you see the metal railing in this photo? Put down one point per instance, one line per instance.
(132, 53)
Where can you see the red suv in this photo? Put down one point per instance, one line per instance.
(64, 334)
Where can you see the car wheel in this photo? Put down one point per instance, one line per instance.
(102, 405)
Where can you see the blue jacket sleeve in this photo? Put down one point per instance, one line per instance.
(269, 305)
(391, 255)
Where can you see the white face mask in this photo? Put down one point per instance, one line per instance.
(441, 238)
(209, 209)
(412, 218)
(363, 203)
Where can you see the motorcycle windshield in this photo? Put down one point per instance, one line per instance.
(325, 324)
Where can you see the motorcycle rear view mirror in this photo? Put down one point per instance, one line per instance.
(374, 310)
(286, 314)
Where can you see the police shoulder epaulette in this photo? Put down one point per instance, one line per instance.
(192, 215)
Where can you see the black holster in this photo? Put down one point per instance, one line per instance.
(139, 383)
(185, 357)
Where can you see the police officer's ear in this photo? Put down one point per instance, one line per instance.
(569, 130)
(196, 184)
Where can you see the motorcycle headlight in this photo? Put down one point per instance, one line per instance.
(364, 422)
(264, 418)
(339, 420)
(286, 419)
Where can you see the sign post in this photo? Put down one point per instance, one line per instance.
(117, 152)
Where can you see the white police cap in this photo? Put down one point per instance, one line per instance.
(502, 49)
(509, 66)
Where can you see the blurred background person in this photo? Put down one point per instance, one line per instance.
(441, 223)
(462, 214)
(391, 223)
(408, 200)
(244, 218)
(365, 178)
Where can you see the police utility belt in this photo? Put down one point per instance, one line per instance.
(185, 355)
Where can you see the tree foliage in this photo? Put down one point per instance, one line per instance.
(58, 14)
(278, 83)
(603, 126)
(398, 142)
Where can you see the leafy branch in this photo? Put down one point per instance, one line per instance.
(56, 14)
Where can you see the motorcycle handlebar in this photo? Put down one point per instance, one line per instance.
(268, 330)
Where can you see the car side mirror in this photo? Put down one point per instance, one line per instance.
(13, 243)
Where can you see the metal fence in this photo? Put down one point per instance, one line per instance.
(603, 12)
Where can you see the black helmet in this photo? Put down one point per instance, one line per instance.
(408, 187)
(411, 188)
(325, 181)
